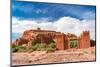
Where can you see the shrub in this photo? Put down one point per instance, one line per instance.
(18, 48)
(14, 48)
(50, 50)
(22, 48)
(73, 44)
(13, 45)
(52, 45)
(38, 46)
(34, 47)
(42, 47)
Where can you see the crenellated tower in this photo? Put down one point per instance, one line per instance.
(84, 40)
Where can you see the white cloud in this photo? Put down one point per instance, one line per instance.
(64, 24)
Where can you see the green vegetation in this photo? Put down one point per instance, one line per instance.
(35, 47)
(50, 50)
(22, 48)
(73, 44)
(51, 47)
(14, 48)
(18, 48)
(38, 47)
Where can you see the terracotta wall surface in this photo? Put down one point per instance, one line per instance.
(62, 40)
(84, 40)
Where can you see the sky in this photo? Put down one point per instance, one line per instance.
(49, 16)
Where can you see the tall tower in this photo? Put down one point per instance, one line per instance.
(60, 41)
(84, 41)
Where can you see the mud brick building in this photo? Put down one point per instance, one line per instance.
(63, 41)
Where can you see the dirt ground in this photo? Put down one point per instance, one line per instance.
(41, 57)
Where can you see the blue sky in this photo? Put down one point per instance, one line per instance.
(34, 10)
(59, 17)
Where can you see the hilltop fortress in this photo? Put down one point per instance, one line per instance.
(63, 41)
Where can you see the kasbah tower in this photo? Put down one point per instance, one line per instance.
(63, 41)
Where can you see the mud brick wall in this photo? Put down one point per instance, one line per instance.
(84, 41)
(60, 42)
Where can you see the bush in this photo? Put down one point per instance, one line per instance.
(35, 47)
(73, 44)
(38, 47)
(42, 47)
(13, 45)
(50, 50)
(22, 49)
(18, 48)
(52, 45)
(14, 48)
